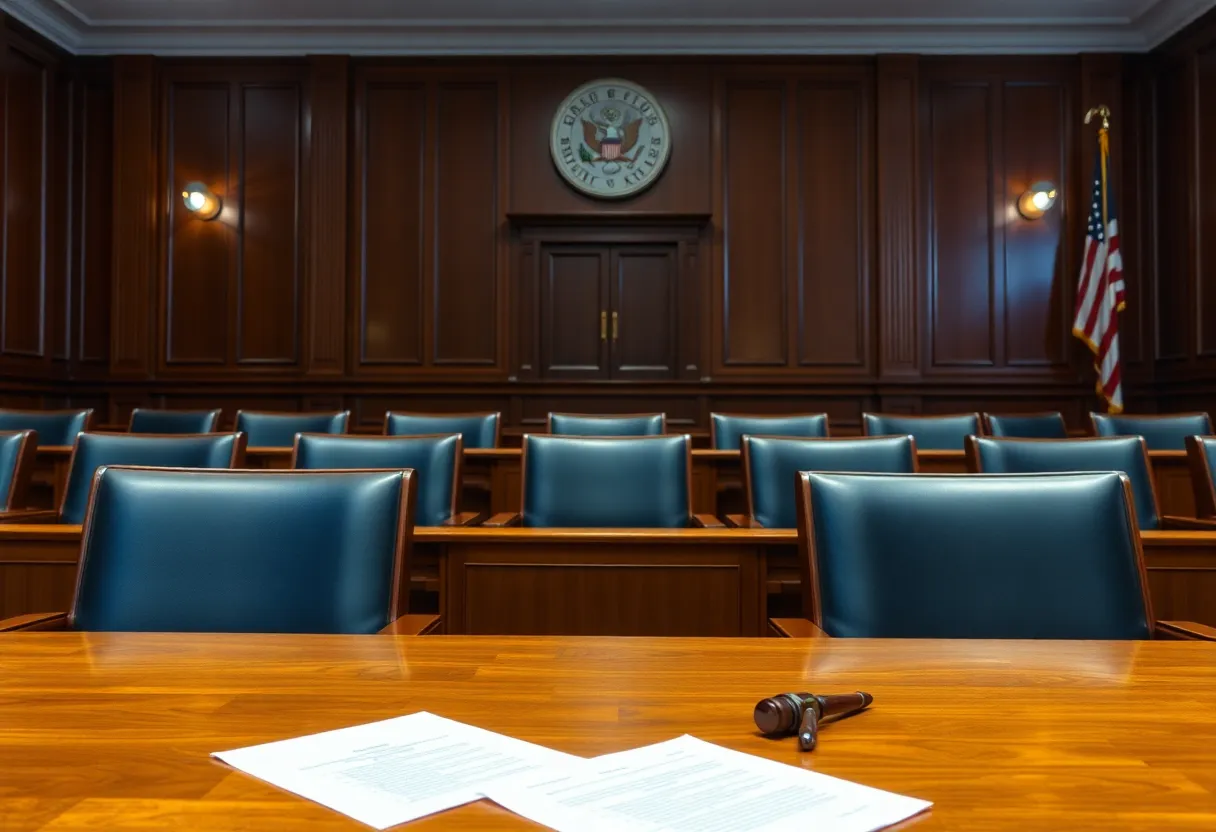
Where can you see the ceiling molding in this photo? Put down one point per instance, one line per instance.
(60, 22)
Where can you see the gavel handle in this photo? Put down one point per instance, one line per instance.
(809, 730)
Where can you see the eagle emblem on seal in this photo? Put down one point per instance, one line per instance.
(610, 137)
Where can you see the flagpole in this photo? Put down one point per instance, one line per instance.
(1103, 112)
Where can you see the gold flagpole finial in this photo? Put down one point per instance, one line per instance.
(1101, 111)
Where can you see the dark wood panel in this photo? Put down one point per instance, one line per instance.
(57, 219)
(390, 222)
(25, 160)
(644, 311)
(268, 277)
(1205, 207)
(91, 298)
(574, 309)
(960, 259)
(1035, 325)
(466, 295)
(754, 294)
(197, 281)
(1175, 120)
(834, 221)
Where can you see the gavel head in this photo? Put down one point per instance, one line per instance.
(781, 715)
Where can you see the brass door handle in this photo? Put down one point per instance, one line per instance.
(603, 326)
(616, 326)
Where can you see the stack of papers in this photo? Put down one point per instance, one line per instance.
(387, 773)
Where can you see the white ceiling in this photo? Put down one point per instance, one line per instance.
(662, 27)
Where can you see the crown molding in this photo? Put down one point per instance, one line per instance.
(59, 22)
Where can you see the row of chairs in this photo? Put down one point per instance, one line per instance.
(642, 482)
(483, 430)
(884, 555)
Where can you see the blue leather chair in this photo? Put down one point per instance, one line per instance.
(1161, 433)
(170, 550)
(932, 433)
(278, 430)
(435, 461)
(56, 428)
(607, 482)
(637, 424)
(477, 430)
(959, 556)
(1026, 425)
(771, 463)
(17, 450)
(725, 430)
(93, 450)
(144, 420)
(1201, 453)
(1124, 454)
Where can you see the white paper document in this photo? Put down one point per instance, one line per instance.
(389, 772)
(686, 785)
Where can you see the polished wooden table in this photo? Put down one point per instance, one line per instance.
(113, 732)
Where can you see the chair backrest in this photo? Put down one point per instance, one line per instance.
(56, 428)
(1167, 432)
(17, 448)
(639, 482)
(770, 463)
(171, 550)
(144, 420)
(477, 430)
(633, 424)
(1201, 454)
(961, 556)
(1124, 454)
(435, 461)
(1026, 425)
(726, 429)
(93, 450)
(932, 433)
(278, 430)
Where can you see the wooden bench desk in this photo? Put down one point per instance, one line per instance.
(514, 579)
(114, 731)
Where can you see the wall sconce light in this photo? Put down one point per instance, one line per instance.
(201, 202)
(1037, 200)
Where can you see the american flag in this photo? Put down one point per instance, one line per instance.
(1100, 291)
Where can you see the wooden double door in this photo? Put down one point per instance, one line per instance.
(609, 311)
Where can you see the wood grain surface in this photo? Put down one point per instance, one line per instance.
(114, 731)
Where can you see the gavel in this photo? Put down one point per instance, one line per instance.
(801, 713)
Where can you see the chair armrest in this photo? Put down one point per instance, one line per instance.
(707, 521)
(742, 521)
(463, 518)
(1185, 631)
(411, 625)
(35, 621)
(1199, 524)
(794, 628)
(504, 518)
(29, 516)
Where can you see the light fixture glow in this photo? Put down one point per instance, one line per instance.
(201, 202)
(1037, 200)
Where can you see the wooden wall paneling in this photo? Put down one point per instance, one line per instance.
(58, 226)
(1204, 185)
(466, 301)
(93, 220)
(751, 305)
(26, 108)
(1136, 199)
(833, 223)
(390, 217)
(692, 278)
(271, 121)
(197, 300)
(327, 160)
(959, 156)
(897, 151)
(1176, 149)
(1035, 303)
(526, 299)
(135, 201)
